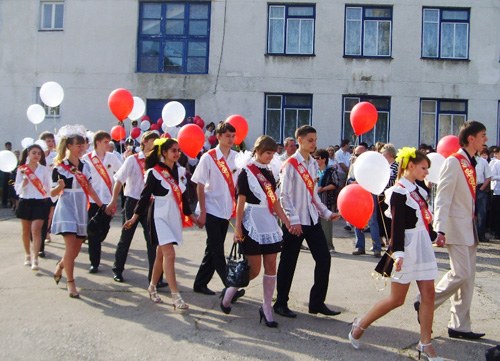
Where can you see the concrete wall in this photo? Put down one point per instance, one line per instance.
(96, 53)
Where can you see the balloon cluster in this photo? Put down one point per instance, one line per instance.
(52, 95)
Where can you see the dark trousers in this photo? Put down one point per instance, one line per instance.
(126, 239)
(481, 208)
(214, 259)
(316, 242)
(495, 215)
(95, 242)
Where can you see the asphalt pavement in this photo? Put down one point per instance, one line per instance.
(117, 321)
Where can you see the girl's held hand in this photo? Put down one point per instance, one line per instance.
(398, 263)
(130, 222)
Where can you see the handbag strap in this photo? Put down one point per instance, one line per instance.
(232, 254)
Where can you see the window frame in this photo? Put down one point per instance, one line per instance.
(162, 38)
(438, 114)
(285, 106)
(370, 99)
(364, 20)
(53, 4)
(439, 36)
(287, 17)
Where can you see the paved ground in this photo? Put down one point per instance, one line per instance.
(115, 321)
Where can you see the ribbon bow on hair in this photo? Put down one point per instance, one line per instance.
(404, 155)
(159, 142)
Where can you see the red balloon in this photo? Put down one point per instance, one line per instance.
(154, 126)
(120, 103)
(145, 117)
(191, 139)
(363, 117)
(118, 133)
(135, 132)
(212, 140)
(198, 121)
(165, 135)
(448, 145)
(159, 122)
(355, 205)
(241, 126)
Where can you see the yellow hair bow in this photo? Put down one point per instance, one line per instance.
(159, 142)
(404, 155)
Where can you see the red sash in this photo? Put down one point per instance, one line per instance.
(424, 209)
(186, 221)
(80, 177)
(37, 183)
(141, 162)
(228, 176)
(96, 162)
(267, 187)
(469, 173)
(304, 174)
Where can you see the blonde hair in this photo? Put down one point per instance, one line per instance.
(62, 147)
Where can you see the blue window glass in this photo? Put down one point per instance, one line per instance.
(174, 37)
(368, 31)
(445, 33)
(291, 29)
(285, 113)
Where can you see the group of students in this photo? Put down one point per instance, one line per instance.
(154, 188)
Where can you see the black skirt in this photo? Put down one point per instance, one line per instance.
(249, 247)
(32, 209)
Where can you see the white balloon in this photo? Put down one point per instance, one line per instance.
(52, 94)
(157, 132)
(138, 110)
(437, 161)
(145, 125)
(174, 131)
(164, 127)
(173, 113)
(26, 142)
(372, 171)
(8, 161)
(35, 113)
(42, 144)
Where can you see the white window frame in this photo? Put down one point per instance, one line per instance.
(54, 5)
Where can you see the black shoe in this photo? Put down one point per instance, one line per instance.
(416, 306)
(323, 310)
(204, 290)
(358, 252)
(304, 248)
(161, 284)
(272, 324)
(226, 310)
(118, 277)
(93, 269)
(238, 294)
(467, 335)
(348, 228)
(284, 311)
(41, 254)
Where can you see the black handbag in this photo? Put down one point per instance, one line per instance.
(385, 265)
(237, 268)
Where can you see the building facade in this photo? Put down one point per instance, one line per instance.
(427, 68)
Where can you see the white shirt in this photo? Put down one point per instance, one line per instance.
(296, 199)
(131, 174)
(49, 159)
(218, 200)
(495, 177)
(342, 157)
(30, 191)
(112, 164)
(483, 170)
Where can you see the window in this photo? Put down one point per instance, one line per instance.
(440, 117)
(291, 29)
(51, 15)
(380, 133)
(445, 33)
(285, 113)
(368, 31)
(173, 37)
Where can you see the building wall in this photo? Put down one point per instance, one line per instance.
(96, 53)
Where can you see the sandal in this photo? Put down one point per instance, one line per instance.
(153, 294)
(58, 275)
(27, 260)
(179, 302)
(72, 294)
(355, 341)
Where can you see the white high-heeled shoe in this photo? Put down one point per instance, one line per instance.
(355, 342)
(421, 350)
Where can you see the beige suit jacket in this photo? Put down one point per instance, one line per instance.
(454, 205)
